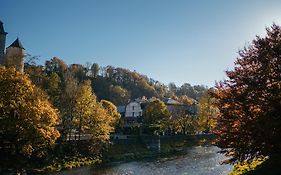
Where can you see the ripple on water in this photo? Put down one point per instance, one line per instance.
(198, 161)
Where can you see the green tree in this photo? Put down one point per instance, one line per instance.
(156, 116)
(249, 125)
(28, 121)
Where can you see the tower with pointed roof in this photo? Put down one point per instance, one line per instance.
(15, 55)
(2, 42)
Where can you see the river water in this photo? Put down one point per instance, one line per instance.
(199, 160)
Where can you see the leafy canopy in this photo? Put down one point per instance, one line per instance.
(94, 118)
(27, 120)
(249, 122)
(156, 115)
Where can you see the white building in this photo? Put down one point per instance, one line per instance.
(131, 114)
(133, 109)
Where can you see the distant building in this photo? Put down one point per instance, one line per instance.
(14, 55)
(133, 109)
(130, 114)
(2, 42)
(175, 107)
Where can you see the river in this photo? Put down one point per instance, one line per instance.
(199, 160)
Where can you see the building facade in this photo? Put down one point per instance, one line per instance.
(133, 109)
(176, 108)
(131, 114)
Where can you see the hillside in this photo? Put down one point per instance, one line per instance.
(117, 85)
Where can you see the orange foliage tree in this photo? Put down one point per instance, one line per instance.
(27, 120)
(94, 119)
(249, 122)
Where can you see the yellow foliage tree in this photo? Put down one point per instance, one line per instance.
(27, 120)
(207, 113)
(92, 119)
(111, 109)
(183, 123)
(156, 116)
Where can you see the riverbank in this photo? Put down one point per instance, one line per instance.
(203, 160)
(124, 150)
(135, 148)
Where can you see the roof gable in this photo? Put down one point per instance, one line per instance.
(17, 44)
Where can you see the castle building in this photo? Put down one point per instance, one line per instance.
(2, 42)
(14, 55)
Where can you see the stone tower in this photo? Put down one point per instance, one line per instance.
(2, 42)
(15, 55)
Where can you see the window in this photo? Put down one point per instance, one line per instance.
(133, 114)
(133, 107)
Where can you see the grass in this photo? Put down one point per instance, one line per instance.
(73, 162)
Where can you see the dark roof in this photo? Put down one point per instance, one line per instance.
(2, 31)
(17, 43)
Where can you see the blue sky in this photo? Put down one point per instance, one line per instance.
(180, 41)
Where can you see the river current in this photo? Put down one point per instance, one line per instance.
(199, 160)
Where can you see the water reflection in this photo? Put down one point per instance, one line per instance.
(199, 161)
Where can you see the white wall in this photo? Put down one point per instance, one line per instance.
(133, 109)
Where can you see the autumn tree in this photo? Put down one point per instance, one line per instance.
(95, 68)
(183, 120)
(78, 71)
(118, 95)
(84, 108)
(156, 116)
(55, 65)
(194, 92)
(92, 119)
(28, 121)
(111, 109)
(183, 123)
(37, 74)
(66, 104)
(207, 113)
(54, 88)
(249, 122)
